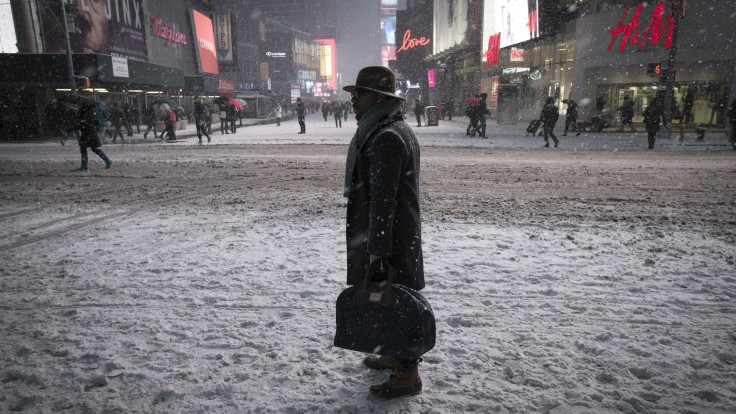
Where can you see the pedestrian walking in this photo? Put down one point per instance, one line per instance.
(232, 116)
(279, 112)
(482, 111)
(150, 118)
(571, 117)
(652, 119)
(301, 111)
(101, 118)
(201, 118)
(549, 117)
(129, 118)
(345, 110)
(449, 108)
(337, 113)
(69, 122)
(325, 110)
(627, 114)
(169, 121)
(383, 217)
(89, 135)
(117, 119)
(224, 128)
(472, 112)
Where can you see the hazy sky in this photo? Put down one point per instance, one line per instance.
(7, 30)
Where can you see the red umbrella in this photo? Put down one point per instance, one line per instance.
(472, 100)
(236, 103)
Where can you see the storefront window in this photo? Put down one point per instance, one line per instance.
(702, 103)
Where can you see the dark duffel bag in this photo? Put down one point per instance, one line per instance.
(384, 319)
(533, 126)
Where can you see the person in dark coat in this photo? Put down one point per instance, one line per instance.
(325, 110)
(201, 118)
(89, 135)
(482, 111)
(232, 116)
(301, 111)
(549, 117)
(117, 119)
(419, 111)
(337, 113)
(571, 117)
(627, 114)
(652, 119)
(687, 107)
(472, 112)
(69, 119)
(150, 118)
(384, 239)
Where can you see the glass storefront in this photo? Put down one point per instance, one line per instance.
(709, 100)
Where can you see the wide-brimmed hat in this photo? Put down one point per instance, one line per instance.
(377, 79)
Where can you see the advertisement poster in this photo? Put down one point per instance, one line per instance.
(205, 35)
(450, 23)
(224, 36)
(105, 27)
(430, 78)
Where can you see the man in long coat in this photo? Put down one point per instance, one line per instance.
(383, 219)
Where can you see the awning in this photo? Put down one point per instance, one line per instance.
(50, 70)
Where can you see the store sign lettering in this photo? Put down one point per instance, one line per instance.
(410, 42)
(533, 24)
(494, 48)
(128, 14)
(167, 32)
(630, 36)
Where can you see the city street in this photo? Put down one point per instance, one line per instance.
(597, 277)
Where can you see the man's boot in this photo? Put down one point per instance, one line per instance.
(108, 162)
(380, 362)
(84, 163)
(399, 384)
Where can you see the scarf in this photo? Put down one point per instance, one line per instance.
(375, 117)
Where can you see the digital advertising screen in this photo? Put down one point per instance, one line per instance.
(205, 35)
(514, 21)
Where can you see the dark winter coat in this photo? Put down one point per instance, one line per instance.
(117, 115)
(652, 117)
(550, 115)
(572, 112)
(382, 188)
(88, 127)
(300, 110)
(627, 111)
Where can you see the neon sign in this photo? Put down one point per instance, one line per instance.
(167, 32)
(630, 36)
(494, 48)
(409, 43)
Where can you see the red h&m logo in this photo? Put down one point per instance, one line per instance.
(630, 36)
(494, 48)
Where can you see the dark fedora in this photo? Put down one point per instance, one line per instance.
(377, 79)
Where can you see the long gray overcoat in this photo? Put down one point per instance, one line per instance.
(382, 188)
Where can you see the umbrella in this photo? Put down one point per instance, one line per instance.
(236, 103)
(472, 100)
(164, 100)
(242, 101)
(76, 99)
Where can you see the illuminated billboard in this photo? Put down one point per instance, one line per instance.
(205, 35)
(506, 23)
(328, 63)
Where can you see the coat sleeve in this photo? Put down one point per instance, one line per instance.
(386, 154)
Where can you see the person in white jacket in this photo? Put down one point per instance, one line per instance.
(278, 114)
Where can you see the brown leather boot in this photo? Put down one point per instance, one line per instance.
(380, 362)
(399, 384)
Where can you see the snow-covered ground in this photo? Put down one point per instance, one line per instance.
(595, 278)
